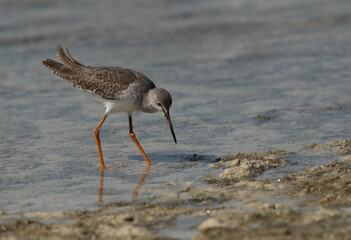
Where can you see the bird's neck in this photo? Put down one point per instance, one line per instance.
(147, 107)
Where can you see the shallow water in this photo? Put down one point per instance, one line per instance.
(224, 62)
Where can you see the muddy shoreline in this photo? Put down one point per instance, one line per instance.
(234, 204)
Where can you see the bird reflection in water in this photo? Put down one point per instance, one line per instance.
(135, 193)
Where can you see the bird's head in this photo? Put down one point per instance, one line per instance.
(161, 100)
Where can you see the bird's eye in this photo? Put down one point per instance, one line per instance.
(159, 104)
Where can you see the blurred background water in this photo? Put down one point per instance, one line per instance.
(245, 76)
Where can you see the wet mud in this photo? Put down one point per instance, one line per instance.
(320, 204)
(233, 205)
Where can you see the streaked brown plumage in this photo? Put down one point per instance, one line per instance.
(108, 82)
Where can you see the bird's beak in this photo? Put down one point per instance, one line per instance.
(168, 118)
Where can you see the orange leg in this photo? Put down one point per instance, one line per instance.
(97, 138)
(132, 136)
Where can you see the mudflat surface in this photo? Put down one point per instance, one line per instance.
(260, 94)
(310, 204)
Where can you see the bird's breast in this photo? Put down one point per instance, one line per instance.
(120, 106)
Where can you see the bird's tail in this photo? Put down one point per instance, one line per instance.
(59, 69)
(67, 68)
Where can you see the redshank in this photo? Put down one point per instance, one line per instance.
(118, 89)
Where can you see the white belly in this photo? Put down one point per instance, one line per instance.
(120, 106)
(114, 106)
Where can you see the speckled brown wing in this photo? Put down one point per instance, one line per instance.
(107, 82)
